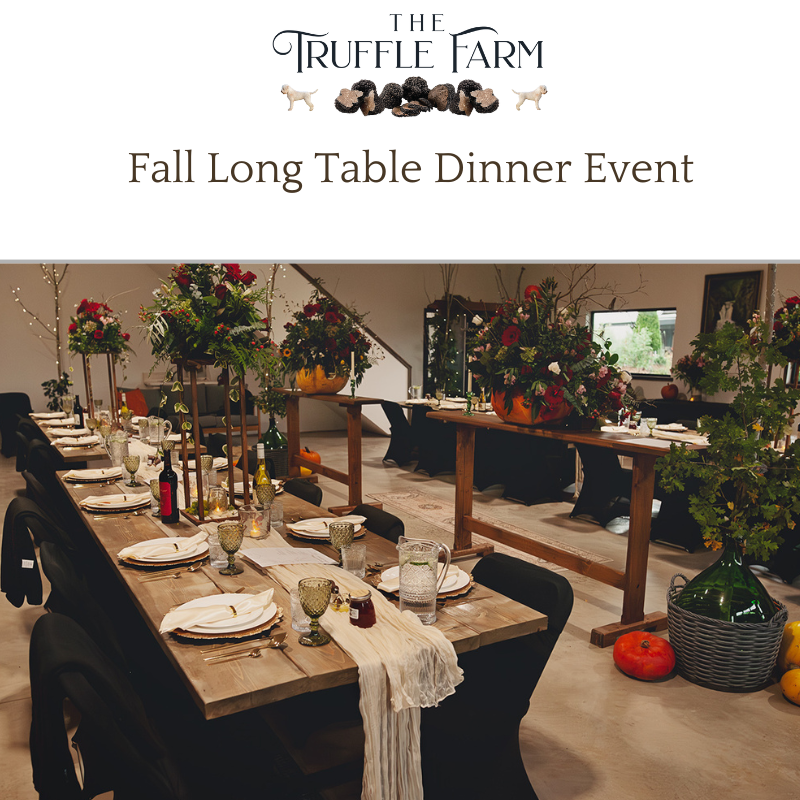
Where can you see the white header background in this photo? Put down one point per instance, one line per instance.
(86, 83)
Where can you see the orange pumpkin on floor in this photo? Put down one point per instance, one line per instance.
(644, 656)
(311, 455)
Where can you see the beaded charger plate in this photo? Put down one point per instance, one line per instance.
(321, 539)
(151, 565)
(248, 633)
(460, 592)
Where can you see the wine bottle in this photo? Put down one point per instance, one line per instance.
(168, 491)
(262, 475)
(77, 412)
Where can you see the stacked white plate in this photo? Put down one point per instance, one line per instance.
(243, 622)
(192, 553)
(49, 415)
(318, 528)
(93, 475)
(79, 441)
(75, 432)
(456, 580)
(116, 502)
(59, 423)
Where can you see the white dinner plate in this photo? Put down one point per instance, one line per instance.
(453, 583)
(198, 549)
(49, 415)
(59, 423)
(80, 475)
(75, 432)
(252, 619)
(298, 527)
(674, 427)
(118, 502)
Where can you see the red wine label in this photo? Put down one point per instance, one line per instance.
(166, 499)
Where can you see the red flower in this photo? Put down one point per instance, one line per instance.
(72, 328)
(354, 337)
(309, 310)
(616, 400)
(526, 369)
(233, 272)
(791, 302)
(332, 317)
(248, 278)
(510, 335)
(553, 396)
(532, 290)
(182, 276)
(289, 326)
(330, 344)
(126, 336)
(98, 334)
(265, 320)
(220, 291)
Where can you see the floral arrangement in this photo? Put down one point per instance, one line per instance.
(95, 328)
(210, 310)
(690, 369)
(786, 329)
(749, 478)
(325, 334)
(532, 348)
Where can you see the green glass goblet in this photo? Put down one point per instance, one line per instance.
(132, 465)
(315, 595)
(341, 534)
(91, 424)
(265, 493)
(230, 540)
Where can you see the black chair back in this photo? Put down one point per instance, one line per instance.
(120, 750)
(23, 445)
(606, 489)
(215, 444)
(401, 446)
(310, 492)
(381, 522)
(11, 405)
(476, 720)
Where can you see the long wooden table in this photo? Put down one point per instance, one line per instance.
(227, 688)
(351, 478)
(71, 454)
(632, 581)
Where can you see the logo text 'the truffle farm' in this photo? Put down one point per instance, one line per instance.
(470, 48)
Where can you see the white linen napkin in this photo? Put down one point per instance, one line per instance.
(49, 415)
(391, 585)
(115, 500)
(321, 525)
(155, 547)
(75, 432)
(66, 440)
(687, 438)
(189, 617)
(94, 474)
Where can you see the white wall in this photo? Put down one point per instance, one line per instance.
(392, 296)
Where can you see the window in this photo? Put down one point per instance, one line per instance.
(641, 338)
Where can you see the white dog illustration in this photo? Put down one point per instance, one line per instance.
(535, 95)
(295, 95)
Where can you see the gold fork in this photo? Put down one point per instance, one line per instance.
(176, 574)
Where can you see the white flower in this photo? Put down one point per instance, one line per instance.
(554, 368)
(625, 376)
(519, 310)
(476, 320)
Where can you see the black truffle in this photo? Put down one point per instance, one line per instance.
(369, 102)
(485, 101)
(441, 95)
(408, 110)
(425, 103)
(414, 88)
(347, 101)
(462, 102)
(391, 96)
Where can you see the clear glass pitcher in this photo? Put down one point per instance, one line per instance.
(116, 444)
(159, 430)
(420, 579)
(415, 392)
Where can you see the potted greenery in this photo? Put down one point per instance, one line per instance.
(324, 345)
(749, 480)
(55, 389)
(540, 364)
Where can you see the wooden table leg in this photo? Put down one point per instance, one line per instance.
(465, 464)
(354, 455)
(293, 433)
(633, 616)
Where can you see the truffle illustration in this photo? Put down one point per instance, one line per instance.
(441, 95)
(409, 110)
(485, 101)
(462, 102)
(391, 96)
(414, 88)
(425, 103)
(369, 102)
(347, 101)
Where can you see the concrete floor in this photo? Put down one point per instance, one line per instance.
(592, 732)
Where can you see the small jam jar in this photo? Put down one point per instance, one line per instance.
(362, 611)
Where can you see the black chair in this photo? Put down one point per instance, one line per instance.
(310, 492)
(381, 522)
(437, 444)
(70, 596)
(400, 446)
(31, 431)
(606, 489)
(11, 405)
(215, 444)
(674, 524)
(477, 719)
(252, 463)
(120, 750)
(24, 524)
(23, 445)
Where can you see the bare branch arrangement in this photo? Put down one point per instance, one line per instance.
(54, 279)
(581, 287)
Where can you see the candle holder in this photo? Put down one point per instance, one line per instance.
(254, 522)
(468, 409)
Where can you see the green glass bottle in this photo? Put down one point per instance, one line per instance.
(728, 590)
(273, 439)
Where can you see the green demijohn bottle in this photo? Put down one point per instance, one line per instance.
(277, 449)
(727, 590)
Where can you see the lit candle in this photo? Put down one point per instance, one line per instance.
(352, 364)
(255, 530)
(469, 382)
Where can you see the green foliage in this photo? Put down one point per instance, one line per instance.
(636, 352)
(647, 322)
(55, 389)
(750, 489)
(271, 403)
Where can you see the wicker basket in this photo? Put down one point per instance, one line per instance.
(729, 656)
(280, 458)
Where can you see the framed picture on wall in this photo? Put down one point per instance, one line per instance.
(730, 298)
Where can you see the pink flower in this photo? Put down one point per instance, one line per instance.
(581, 389)
(603, 371)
